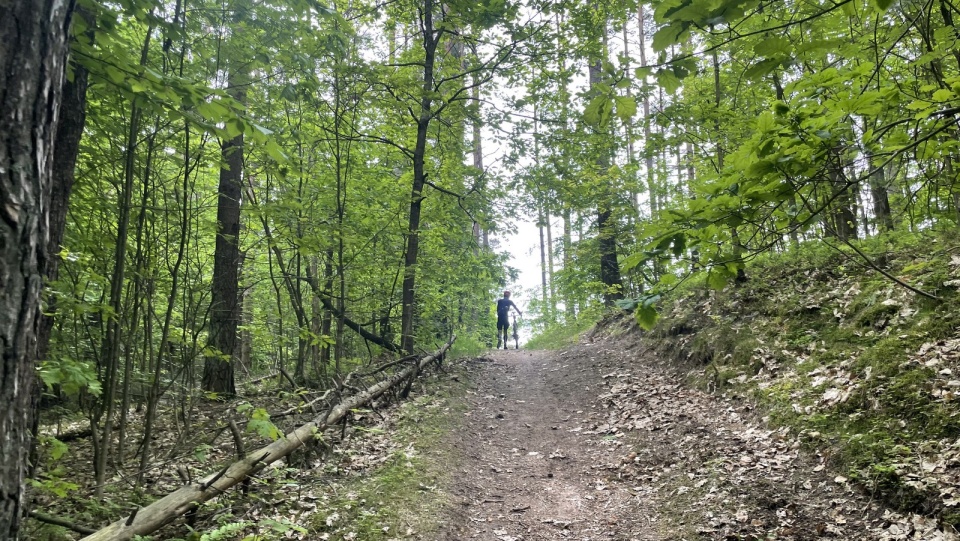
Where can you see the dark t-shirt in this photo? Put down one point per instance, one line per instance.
(503, 309)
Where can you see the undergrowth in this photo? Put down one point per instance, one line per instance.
(402, 497)
(559, 336)
(856, 364)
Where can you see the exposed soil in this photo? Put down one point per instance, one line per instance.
(532, 465)
(602, 442)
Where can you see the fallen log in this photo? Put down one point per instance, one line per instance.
(147, 520)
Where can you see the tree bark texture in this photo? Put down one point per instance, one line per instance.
(842, 211)
(225, 300)
(881, 202)
(33, 51)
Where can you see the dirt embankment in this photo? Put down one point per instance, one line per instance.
(603, 442)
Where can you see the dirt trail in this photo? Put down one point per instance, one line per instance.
(530, 468)
(600, 442)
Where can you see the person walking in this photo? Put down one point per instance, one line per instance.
(503, 321)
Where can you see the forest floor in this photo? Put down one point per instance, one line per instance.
(602, 442)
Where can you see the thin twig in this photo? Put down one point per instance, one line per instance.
(875, 267)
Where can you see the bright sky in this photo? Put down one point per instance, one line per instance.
(524, 249)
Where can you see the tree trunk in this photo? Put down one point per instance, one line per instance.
(408, 295)
(552, 289)
(648, 154)
(606, 224)
(543, 264)
(110, 355)
(153, 394)
(326, 324)
(33, 52)
(316, 318)
(141, 264)
(73, 116)
(225, 305)
(569, 306)
(881, 202)
(843, 215)
(477, 151)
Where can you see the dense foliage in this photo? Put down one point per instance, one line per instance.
(291, 186)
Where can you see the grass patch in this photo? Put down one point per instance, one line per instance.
(405, 495)
(560, 336)
(471, 344)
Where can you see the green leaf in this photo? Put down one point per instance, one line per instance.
(773, 47)
(55, 447)
(670, 82)
(289, 93)
(760, 168)
(717, 279)
(695, 12)
(626, 107)
(598, 111)
(260, 424)
(115, 75)
(643, 72)
(234, 127)
(647, 314)
(260, 134)
(213, 111)
(275, 151)
(668, 35)
(943, 95)
(633, 260)
(762, 68)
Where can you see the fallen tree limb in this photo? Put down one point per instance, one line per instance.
(57, 521)
(257, 380)
(149, 519)
(298, 409)
(365, 334)
(75, 434)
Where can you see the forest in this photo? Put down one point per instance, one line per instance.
(201, 195)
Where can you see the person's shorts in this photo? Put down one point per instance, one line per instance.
(503, 324)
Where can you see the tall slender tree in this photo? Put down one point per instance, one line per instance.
(218, 368)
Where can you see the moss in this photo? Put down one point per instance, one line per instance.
(787, 313)
(884, 358)
(943, 322)
(951, 518)
(876, 315)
